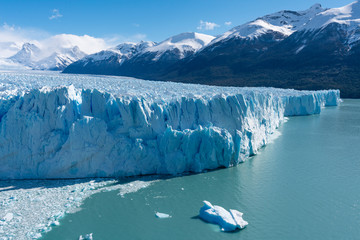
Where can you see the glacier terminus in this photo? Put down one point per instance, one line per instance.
(71, 126)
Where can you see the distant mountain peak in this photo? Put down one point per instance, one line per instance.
(30, 55)
(131, 48)
(282, 49)
(29, 47)
(282, 24)
(183, 38)
(183, 43)
(348, 15)
(27, 54)
(316, 6)
(60, 59)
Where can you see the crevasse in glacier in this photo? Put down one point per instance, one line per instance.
(76, 132)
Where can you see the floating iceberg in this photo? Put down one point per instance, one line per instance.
(162, 215)
(86, 237)
(227, 220)
(69, 126)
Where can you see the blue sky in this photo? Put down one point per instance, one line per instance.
(134, 20)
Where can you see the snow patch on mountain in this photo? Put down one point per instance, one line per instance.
(300, 49)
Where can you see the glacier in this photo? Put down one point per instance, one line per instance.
(69, 126)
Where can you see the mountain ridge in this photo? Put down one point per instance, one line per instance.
(32, 56)
(317, 48)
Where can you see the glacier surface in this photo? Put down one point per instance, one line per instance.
(70, 126)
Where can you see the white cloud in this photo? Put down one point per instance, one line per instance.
(228, 23)
(136, 25)
(116, 39)
(55, 14)
(207, 25)
(139, 36)
(86, 43)
(12, 38)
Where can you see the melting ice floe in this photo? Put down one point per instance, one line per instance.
(114, 127)
(227, 220)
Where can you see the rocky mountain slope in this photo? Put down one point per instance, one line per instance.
(313, 49)
(145, 57)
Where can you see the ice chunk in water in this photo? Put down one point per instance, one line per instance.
(162, 215)
(228, 221)
(86, 237)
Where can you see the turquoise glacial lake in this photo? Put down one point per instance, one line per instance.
(303, 185)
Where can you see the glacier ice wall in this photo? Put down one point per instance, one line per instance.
(69, 132)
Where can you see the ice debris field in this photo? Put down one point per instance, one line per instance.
(30, 208)
(71, 126)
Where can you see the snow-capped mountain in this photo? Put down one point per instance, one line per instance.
(282, 23)
(121, 53)
(348, 15)
(108, 61)
(60, 60)
(332, 32)
(176, 48)
(32, 56)
(311, 49)
(130, 58)
(181, 45)
(52, 53)
(27, 54)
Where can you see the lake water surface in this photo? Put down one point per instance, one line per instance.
(304, 185)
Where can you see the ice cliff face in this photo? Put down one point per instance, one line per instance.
(160, 128)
